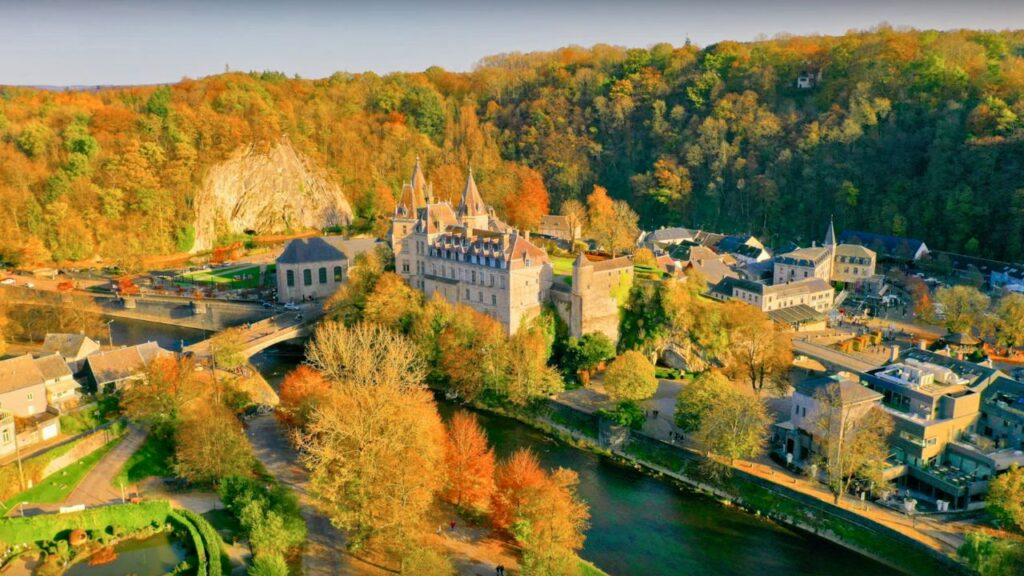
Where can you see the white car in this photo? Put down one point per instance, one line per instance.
(8, 281)
(29, 285)
(292, 306)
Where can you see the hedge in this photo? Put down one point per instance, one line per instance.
(210, 537)
(125, 518)
(197, 540)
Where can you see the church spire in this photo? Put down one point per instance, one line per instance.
(830, 235)
(419, 184)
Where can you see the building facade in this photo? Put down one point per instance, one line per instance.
(314, 268)
(830, 262)
(469, 256)
(814, 293)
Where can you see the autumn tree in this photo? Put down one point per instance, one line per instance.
(419, 561)
(302, 391)
(210, 445)
(349, 302)
(1010, 324)
(735, 426)
(644, 257)
(375, 451)
(612, 223)
(698, 396)
(529, 375)
(758, 353)
(529, 203)
(550, 525)
(469, 463)
(575, 218)
(515, 478)
(392, 303)
(630, 377)
(853, 437)
(474, 353)
(1005, 498)
(962, 306)
(226, 349)
(160, 397)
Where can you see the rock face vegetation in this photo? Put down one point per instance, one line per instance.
(893, 131)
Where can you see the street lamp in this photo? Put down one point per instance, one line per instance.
(110, 333)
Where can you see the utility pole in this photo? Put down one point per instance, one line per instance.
(110, 333)
(17, 455)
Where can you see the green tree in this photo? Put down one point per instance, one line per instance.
(963, 307)
(991, 556)
(1010, 327)
(736, 426)
(630, 377)
(1005, 498)
(698, 397)
(268, 565)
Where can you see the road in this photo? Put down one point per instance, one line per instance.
(256, 336)
(831, 357)
(325, 549)
(98, 485)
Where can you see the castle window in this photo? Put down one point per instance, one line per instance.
(479, 296)
(494, 299)
(474, 277)
(337, 272)
(290, 278)
(405, 267)
(467, 294)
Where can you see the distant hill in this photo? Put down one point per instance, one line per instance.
(912, 133)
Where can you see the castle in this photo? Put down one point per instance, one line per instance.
(469, 256)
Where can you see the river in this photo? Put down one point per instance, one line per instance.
(640, 525)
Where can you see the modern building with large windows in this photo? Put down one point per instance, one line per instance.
(314, 268)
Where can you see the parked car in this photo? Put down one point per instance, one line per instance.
(266, 304)
(8, 281)
(292, 306)
(29, 285)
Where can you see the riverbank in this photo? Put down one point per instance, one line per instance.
(758, 496)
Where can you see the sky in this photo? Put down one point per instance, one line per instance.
(92, 42)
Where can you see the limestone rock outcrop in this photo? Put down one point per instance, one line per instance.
(271, 192)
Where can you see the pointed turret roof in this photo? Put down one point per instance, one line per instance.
(581, 260)
(418, 181)
(412, 198)
(471, 204)
(830, 236)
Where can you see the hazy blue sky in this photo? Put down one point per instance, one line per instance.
(121, 42)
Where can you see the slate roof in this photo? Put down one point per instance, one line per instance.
(114, 365)
(671, 235)
(324, 249)
(984, 265)
(53, 367)
(891, 246)
(67, 345)
(850, 391)
(19, 372)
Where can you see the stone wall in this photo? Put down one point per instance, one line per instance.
(87, 445)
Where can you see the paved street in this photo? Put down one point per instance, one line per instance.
(325, 550)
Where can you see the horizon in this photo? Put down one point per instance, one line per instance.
(62, 44)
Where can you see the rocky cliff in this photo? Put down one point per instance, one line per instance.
(275, 191)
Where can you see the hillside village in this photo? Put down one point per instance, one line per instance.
(855, 345)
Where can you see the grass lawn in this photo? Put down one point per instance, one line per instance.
(153, 458)
(588, 569)
(562, 265)
(81, 421)
(248, 276)
(56, 487)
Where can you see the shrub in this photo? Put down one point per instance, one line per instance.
(197, 541)
(269, 565)
(211, 540)
(116, 520)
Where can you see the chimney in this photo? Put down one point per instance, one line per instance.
(922, 344)
(526, 234)
(894, 353)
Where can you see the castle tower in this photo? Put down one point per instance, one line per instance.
(472, 210)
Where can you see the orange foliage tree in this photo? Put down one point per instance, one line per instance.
(514, 481)
(529, 202)
(469, 462)
(474, 352)
(302, 390)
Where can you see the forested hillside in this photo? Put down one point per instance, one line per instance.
(915, 133)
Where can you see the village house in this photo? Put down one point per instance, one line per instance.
(113, 370)
(33, 391)
(314, 268)
(468, 256)
(558, 227)
(814, 293)
(73, 348)
(829, 262)
(894, 248)
(799, 439)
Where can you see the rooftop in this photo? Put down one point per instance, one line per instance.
(851, 391)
